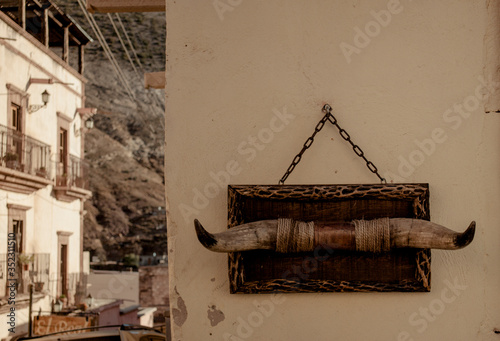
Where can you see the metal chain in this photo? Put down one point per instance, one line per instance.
(327, 109)
(306, 146)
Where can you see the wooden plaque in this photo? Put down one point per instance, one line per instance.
(326, 270)
(43, 325)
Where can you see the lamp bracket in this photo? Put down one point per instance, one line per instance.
(36, 107)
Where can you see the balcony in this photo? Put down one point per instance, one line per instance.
(71, 179)
(24, 162)
(30, 268)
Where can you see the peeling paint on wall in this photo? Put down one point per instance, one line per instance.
(423, 65)
(215, 315)
(180, 313)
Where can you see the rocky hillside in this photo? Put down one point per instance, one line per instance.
(125, 149)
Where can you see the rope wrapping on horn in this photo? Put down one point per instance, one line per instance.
(294, 236)
(372, 235)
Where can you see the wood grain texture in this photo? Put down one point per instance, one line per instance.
(327, 270)
(155, 80)
(118, 6)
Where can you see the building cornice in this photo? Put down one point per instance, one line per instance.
(14, 88)
(64, 117)
(18, 207)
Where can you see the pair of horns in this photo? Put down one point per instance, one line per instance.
(379, 235)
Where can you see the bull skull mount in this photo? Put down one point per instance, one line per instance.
(378, 235)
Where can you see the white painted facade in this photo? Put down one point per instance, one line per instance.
(49, 221)
(409, 87)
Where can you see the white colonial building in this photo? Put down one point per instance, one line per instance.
(43, 179)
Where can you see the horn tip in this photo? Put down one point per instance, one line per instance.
(205, 238)
(464, 239)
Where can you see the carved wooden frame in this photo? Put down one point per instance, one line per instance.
(336, 271)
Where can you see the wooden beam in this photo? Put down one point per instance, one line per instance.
(115, 6)
(22, 13)
(53, 17)
(72, 37)
(38, 3)
(45, 28)
(86, 113)
(65, 53)
(155, 80)
(39, 81)
(81, 57)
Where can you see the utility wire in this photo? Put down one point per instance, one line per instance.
(157, 101)
(114, 63)
(148, 94)
(106, 49)
(129, 42)
(151, 98)
(123, 45)
(110, 55)
(151, 95)
(129, 58)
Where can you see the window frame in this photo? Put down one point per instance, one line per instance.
(19, 98)
(63, 240)
(63, 124)
(18, 213)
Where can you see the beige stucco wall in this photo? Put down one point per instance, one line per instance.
(48, 214)
(65, 98)
(416, 78)
(21, 60)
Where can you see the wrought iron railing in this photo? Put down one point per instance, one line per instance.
(30, 268)
(77, 284)
(72, 171)
(73, 285)
(34, 268)
(23, 153)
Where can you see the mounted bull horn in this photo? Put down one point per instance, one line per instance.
(379, 235)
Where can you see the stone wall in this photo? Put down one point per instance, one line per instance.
(153, 287)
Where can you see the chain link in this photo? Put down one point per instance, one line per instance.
(305, 147)
(327, 109)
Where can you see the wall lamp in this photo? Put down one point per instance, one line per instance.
(89, 124)
(89, 301)
(86, 119)
(58, 306)
(45, 100)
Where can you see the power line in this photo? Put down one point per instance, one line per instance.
(157, 101)
(106, 49)
(111, 58)
(129, 42)
(148, 94)
(123, 45)
(117, 68)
